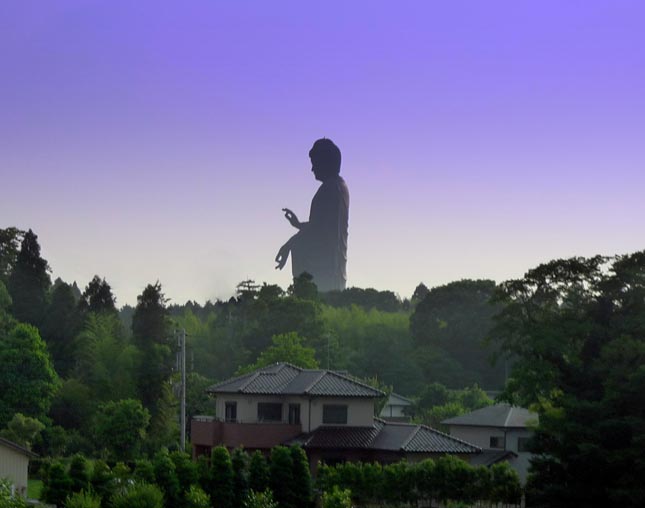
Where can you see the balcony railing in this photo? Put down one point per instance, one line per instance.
(209, 431)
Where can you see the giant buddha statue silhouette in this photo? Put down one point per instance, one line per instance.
(320, 245)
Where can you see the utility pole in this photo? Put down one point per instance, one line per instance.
(182, 416)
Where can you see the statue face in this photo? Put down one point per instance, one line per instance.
(321, 171)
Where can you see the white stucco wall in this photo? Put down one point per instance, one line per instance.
(14, 466)
(360, 412)
(480, 436)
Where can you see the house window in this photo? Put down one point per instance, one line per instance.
(334, 414)
(294, 414)
(230, 411)
(269, 412)
(496, 442)
(523, 444)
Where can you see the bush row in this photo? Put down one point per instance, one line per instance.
(173, 480)
(444, 479)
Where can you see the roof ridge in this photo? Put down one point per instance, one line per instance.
(411, 437)
(287, 364)
(508, 416)
(355, 381)
(249, 381)
(432, 429)
(315, 381)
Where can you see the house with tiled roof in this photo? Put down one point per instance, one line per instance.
(14, 464)
(396, 407)
(330, 414)
(502, 431)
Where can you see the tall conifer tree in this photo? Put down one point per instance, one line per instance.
(150, 331)
(29, 282)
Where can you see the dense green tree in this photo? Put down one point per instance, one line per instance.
(304, 287)
(281, 476)
(221, 478)
(106, 362)
(302, 486)
(186, 471)
(367, 299)
(449, 327)
(98, 297)
(29, 282)
(27, 379)
(120, 426)
(102, 479)
(79, 473)
(287, 347)
(577, 330)
(150, 331)
(240, 464)
(420, 292)
(73, 406)
(144, 471)
(505, 484)
(22, 430)
(57, 485)
(258, 472)
(60, 326)
(10, 240)
(198, 401)
(166, 478)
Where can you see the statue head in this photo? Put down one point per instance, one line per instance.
(325, 159)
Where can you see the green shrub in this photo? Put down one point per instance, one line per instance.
(260, 500)
(79, 473)
(6, 499)
(221, 479)
(281, 470)
(139, 495)
(302, 488)
(83, 500)
(166, 478)
(57, 485)
(197, 498)
(143, 471)
(258, 472)
(240, 464)
(337, 498)
(102, 480)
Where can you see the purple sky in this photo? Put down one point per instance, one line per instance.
(159, 140)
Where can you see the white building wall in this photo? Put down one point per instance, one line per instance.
(14, 466)
(360, 412)
(480, 436)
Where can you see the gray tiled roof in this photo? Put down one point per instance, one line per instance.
(490, 457)
(497, 415)
(287, 379)
(386, 436)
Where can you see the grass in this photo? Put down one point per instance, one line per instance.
(34, 487)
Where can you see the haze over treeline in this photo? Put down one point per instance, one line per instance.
(81, 375)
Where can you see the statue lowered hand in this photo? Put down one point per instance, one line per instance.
(283, 255)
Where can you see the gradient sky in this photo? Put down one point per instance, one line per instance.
(159, 140)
